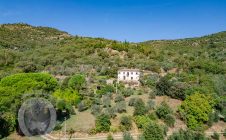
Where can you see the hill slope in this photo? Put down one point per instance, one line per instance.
(25, 48)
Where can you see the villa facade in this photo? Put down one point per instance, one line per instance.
(129, 76)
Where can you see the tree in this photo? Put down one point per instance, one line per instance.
(150, 104)
(96, 109)
(139, 108)
(195, 109)
(71, 97)
(127, 136)
(125, 123)
(119, 98)
(77, 82)
(153, 131)
(187, 135)
(106, 101)
(8, 123)
(169, 120)
(163, 110)
(121, 106)
(103, 123)
(110, 137)
(142, 121)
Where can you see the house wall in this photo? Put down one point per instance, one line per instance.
(132, 76)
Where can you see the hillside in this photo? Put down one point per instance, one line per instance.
(183, 84)
(24, 36)
(30, 49)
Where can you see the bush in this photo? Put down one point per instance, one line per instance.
(110, 111)
(139, 108)
(152, 116)
(132, 101)
(8, 123)
(119, 98)
(110, 137)
(213, 117)
(215, 136)
(69, 96)
(173, 89)
(121, 106)
(125, 123)
(153, 131)
(163, 110)
(151, 104)
(127, 92)
(103, 123)
(195, 110)
(127, 136)
(141, 121)
(187, 135)
(106, 101)
(152, 94)
(82, 106)
(96, 109)
(77, 82)
(169, 120)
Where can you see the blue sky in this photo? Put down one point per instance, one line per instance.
(131, 20)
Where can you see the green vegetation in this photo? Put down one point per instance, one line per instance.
(195, 110)
(30, 58)
(187, 135)
(153, 131)
(103, 123)
(126, 123)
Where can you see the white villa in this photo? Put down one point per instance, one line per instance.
(130, 76)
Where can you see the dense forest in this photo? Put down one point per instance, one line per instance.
(34, 59)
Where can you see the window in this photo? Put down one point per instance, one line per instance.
(127, 74)
(124, 78)
(131, 78)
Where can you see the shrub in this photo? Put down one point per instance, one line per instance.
(119, 98)
(169, 120)
(127, 136)
(125, 123)
(141, 121)
(139, 108)
(187, 135)
(153, 131)
(133, 100)
(163, 110)
(8, 123)
(69, 96)
(103, 123)
(96, 109)
(152, 116)
(127, 92)
(110, 137)
(215, 136)
(195, 110)
(106, 101)
(173, 89)
(77, 81)
(151, 104)
(110, 111)
(82, 106)
(121, 106)
(152, 94)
